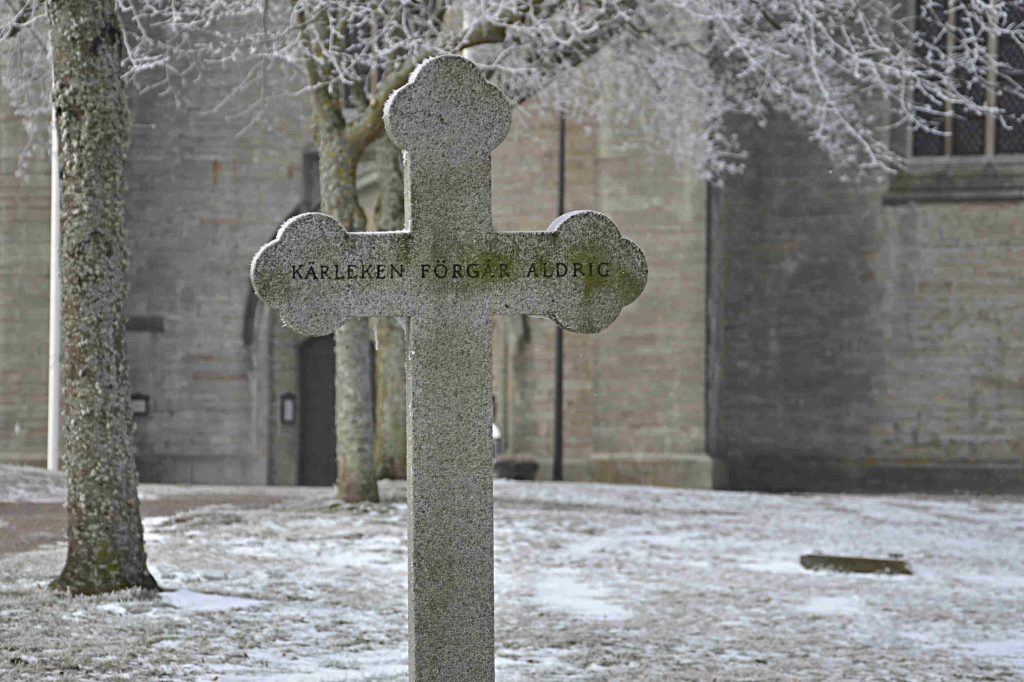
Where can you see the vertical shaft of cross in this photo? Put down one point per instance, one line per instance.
(449, 201)
(448, 274)
(451, 527)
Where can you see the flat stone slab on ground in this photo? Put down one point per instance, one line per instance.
(854, 564)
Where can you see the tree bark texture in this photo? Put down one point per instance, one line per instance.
(389, 413)
(353, 390)
(105, 546)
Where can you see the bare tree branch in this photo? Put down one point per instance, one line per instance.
(21, 17)
(845, 70)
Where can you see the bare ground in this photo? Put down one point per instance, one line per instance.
(29, 524)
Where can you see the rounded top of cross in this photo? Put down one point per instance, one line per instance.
(448, 110)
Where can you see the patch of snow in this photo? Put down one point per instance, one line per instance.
(116, 609)
(320, 675)
(1005, 648)
(776, 564)
(389, 663)
(151, 527)
(30, 484)
(832, 606)
(568, 591)
(200, 601)
(536, 661)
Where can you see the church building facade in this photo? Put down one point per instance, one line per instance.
(798, 331)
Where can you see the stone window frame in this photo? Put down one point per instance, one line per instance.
(951, 177)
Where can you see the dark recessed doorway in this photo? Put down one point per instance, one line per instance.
(317, 464)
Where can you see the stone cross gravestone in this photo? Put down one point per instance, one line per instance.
(447, 273)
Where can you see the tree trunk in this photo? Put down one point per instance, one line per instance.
(353, 412)
(353, 391)
(105, 548)
(389, 440)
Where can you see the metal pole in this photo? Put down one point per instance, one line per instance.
(556, 469)
(53, 388)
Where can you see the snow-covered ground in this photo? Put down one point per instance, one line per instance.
(593, 582)
(30, 484)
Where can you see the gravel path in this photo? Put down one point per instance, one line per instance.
(32, 504)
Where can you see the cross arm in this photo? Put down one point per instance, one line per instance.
(580, 273)
(317, 275)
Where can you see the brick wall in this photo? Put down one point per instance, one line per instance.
(201, 200)
(24, 297)
(859, 343)
(954, 380)
(634, 394)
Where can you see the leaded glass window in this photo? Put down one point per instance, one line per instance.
(966, 132)
(1011, 141)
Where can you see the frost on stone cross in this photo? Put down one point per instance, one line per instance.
(580, 272)
(448, 272)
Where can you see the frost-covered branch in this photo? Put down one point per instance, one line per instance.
(848, 71)
(21, 18)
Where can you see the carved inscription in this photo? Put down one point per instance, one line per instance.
(317, 271)
(442, 270)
